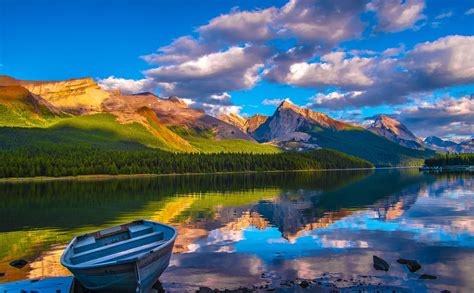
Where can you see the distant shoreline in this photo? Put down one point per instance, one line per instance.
(100, 177)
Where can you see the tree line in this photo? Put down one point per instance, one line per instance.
(74, 161)
(451, 160)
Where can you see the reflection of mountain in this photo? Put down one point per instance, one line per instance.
(295, 211)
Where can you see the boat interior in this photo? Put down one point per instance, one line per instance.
(116, 243)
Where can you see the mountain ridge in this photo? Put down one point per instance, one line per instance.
(299, 128)
(395, 131)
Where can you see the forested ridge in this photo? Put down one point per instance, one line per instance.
(451, 160)
(73, 161)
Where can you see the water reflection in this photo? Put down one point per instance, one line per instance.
(234, 228)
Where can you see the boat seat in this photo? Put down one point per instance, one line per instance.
(139, 230)
(122, 255)
(116, 247)
(85, 244)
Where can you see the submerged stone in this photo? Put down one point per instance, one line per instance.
(380, 264)
(19, 263)
(304, 284)
(412, 265)
(427, 277)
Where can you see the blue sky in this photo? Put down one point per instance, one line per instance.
(237, 56)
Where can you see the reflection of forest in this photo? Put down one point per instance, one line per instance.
(37, 217)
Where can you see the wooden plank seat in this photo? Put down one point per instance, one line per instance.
(91, 242)
(124, 254)
(139, 230)
(117, 247)
(85, 244)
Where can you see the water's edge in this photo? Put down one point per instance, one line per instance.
(99, 177)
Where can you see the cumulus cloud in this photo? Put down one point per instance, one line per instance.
(217, 104)
(180, 50)
(333, 100)
(240, 27)
(212, 74)
(444, 117)
(379, 80)
(324, 22)
(127, 86)
(397, 15)
(446, 61)
(334, 69)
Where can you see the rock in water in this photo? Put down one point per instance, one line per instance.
(427, 277)
(380, 264)
(412, 265)
(304, 284)
(19, 263)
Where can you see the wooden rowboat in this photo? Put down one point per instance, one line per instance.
(125, 258)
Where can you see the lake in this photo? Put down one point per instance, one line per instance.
(256, 229)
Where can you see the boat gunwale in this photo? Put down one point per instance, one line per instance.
(69, 265)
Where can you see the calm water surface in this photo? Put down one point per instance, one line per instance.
(243, 230)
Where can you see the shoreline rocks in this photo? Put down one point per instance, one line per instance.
(19, 263)
(412, 265)
(380, 264)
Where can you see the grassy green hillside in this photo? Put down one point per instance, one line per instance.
(371, 147)
(18, 107)
(203, 141)
(103, 130)
(107, 128)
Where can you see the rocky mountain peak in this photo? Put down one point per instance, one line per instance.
(177, 100)
(395, 131)
(386, 122)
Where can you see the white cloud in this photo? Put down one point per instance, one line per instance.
(334, 69)
(324, 22)
(180, 50)
(380, 80)
(394, 51)
(274, 102)
(443, 117)
(397, 15)
(126, 86)
(332, 99)
(240, 27)
(469, 11)
(444, 15)
(212, 74)
(446, 61)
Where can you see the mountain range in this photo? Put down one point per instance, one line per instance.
(79, 111)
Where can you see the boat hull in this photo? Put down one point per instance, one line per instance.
(123, 277)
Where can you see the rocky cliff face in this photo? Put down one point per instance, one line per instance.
(247, 125)
(254, 122)
(75, 95)
(235, 120)
(288, 121)
(172, 112)
(395, 131)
